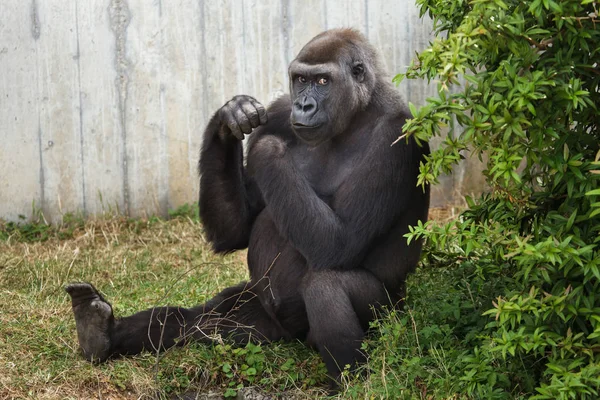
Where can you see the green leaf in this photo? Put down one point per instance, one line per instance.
(413, 109)
(571, 220)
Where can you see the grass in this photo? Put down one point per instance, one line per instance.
(141, 263)
(136, 264)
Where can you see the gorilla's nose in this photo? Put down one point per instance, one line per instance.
(306, 105)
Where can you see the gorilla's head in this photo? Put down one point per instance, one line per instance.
(331, 80)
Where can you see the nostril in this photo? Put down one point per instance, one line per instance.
(308, 107)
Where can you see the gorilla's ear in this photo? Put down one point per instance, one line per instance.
(358, 71)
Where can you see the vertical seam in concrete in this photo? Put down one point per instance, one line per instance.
(203, 67)
(203, 55)
(81, 138)
(35, 32)
(35, 21)
(409, 27)
(367, 18)
(164, 174)
(245, 76)
(285, 33)
(325, 19)
(42, 178)
(119, 21)
(222, 43)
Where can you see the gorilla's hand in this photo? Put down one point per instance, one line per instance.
(240, 115)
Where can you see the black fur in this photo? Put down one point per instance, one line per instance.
(322, 204)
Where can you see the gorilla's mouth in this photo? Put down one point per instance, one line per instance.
(298, 125)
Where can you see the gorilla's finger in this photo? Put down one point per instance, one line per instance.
(242, 120)
(232, 124)
(251, 113)
(236, 131)
(262, 111)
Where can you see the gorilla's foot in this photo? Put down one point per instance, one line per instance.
(94, 320)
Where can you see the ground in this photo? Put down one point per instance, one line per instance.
(136, 264)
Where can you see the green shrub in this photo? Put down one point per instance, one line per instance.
(519, 87)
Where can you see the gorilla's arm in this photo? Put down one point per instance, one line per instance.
(366, 205)
(229, 200)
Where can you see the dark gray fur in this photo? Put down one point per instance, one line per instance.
(322, 201)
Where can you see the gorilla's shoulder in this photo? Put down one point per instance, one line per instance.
(393, 118)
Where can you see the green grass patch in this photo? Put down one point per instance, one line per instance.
(137, 264)
(419, 353)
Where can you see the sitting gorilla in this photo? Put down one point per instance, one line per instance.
(322, 204)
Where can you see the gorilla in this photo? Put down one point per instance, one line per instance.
(322, 201)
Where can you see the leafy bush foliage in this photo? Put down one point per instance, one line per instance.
(519, 87)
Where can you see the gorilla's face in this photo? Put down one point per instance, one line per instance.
(312, 88)
(329, 85)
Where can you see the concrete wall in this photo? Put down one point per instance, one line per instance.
(102, 102)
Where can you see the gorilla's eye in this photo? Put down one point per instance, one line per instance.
(323, 81)
(301, 79)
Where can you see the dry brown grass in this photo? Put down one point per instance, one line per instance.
(136, 264)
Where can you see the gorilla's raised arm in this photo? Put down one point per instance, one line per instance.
(336, 234)
(229, 200)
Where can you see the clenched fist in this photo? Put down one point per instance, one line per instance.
(240, 115)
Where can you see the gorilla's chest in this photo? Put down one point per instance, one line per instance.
(325, 169)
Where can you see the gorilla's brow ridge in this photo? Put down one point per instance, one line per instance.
(301, 68)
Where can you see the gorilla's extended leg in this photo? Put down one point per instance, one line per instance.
(94, 320)
(338, 304)
(235, 313)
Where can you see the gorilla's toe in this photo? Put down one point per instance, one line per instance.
(94, 320)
